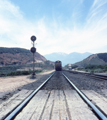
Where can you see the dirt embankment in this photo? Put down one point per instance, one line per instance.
(11, 85)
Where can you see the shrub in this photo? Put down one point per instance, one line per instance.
(15, 73)
(11, 74)
(2, 74)
(25, 72)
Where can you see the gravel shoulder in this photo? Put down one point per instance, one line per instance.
(84, 82)
(12, 85)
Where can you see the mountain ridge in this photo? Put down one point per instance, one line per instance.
(10, 56)
(70, 58)
(95, 59)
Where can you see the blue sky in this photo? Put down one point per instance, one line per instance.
(59, 25)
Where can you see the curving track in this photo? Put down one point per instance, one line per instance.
(56, 99)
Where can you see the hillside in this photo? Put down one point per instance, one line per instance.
(12, 56)
(95, 59)
(67, 58)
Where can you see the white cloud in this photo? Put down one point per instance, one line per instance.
(15, 31)
(98, 3)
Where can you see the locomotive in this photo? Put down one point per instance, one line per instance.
(58, 65)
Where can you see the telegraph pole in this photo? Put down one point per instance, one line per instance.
(33, 50)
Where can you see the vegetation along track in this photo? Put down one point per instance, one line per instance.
(55, 90)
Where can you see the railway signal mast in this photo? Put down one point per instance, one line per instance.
(33, 50)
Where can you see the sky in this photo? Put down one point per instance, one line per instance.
(59, 25)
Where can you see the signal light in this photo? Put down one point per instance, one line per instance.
(33, 50)
(33, 38)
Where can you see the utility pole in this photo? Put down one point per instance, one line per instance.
(33, 50)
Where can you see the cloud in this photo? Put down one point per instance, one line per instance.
(55, 35)
(14, 29)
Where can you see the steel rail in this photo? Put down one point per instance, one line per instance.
(21, 106)
(95, 109)
(92, 75)
(98, 76)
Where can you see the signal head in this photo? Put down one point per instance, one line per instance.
(33, 49)
(33, 38)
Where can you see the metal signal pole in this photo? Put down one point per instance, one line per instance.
(33, 50)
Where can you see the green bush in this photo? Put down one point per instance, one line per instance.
(25, 72)
(18, 73)
(22, 73)
(11, 74)
(96, 68)
(2, 75)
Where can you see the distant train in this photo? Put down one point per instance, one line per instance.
(58, 65)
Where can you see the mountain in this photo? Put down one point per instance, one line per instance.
(95, 59)
(55, 56)
(67, 58)
(10, 56)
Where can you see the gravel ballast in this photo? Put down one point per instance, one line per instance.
(57, 82)
(84, 82)
(11, 85)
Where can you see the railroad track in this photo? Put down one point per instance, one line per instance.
(51, 104)
(91, 75)
(97, 76)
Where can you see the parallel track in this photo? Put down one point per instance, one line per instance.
(98, 76)
(16, 111)
(103, 77)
